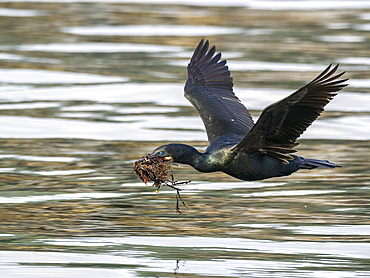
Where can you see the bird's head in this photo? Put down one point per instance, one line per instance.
(165, 152)
(180, 153)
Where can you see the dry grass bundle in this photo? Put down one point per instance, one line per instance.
(158, 171)
(154, 169)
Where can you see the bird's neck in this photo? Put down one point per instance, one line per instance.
(203, 162)
(186, 154)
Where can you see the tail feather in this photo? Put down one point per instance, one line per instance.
(308, 163)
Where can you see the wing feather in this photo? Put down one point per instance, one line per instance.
(209, 88)
(281, 123)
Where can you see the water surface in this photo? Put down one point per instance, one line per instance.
(87, 87)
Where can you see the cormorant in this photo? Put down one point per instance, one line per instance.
(237, 146)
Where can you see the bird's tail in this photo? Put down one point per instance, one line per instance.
(308, 163)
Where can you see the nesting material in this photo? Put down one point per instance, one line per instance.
(158, 171)
(154, 169)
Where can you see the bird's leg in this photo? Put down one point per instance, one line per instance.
(177, 203)
(178, 196)
(182, 182)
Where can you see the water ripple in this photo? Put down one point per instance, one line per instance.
(59, 197)
(19, 12)
(95, 47)
(152, 30)
(32, 76)
(335, 249)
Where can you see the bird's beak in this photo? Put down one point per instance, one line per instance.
(168, 158)
(165, 158)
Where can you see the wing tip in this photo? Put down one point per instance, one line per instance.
(327, 78)
(206, 69)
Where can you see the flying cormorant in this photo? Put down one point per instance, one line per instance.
(238, 146)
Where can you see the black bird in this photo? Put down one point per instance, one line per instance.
(237, 146)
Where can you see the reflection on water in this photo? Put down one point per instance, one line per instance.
(94, 48)
(152, 30)
(87, 87)
(47, 77)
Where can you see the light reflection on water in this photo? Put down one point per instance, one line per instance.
(152, 30)
(82, 99)
(95, 48)
(47, 77)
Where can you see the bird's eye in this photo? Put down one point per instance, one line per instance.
(160, 153)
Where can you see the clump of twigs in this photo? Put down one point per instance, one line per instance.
(158, 171)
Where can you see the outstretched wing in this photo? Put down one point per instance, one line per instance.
(209, 88)
(281, 123)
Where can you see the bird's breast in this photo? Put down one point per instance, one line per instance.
(215, 161)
